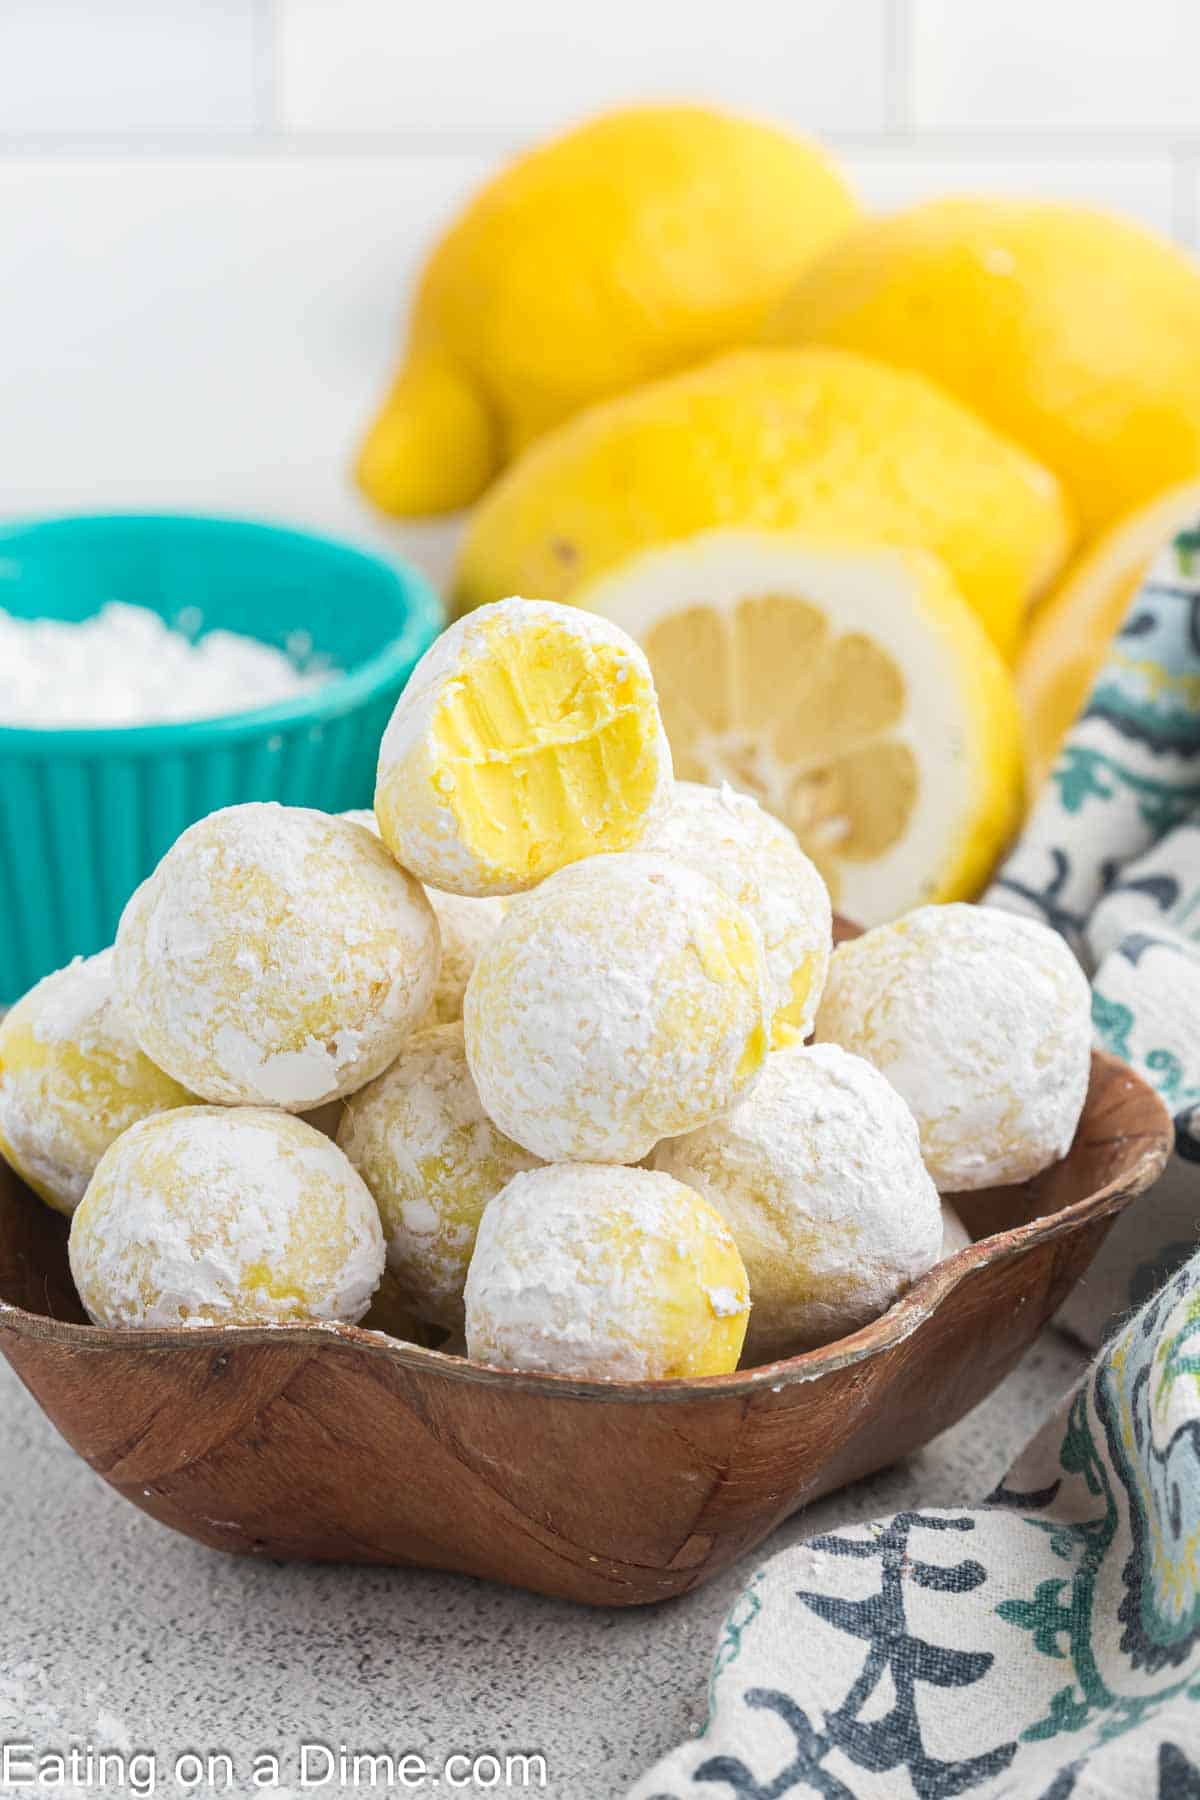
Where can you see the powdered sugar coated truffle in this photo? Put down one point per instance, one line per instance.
(72, 1079)
(466, 924)
(758, 861)
(606, 1274)
(818, 1174)
(624, 1000)
(527, 737)
(208, 1216)
(983, 1022)
(432, 1158)
(277, 956)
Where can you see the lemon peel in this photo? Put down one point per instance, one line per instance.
(819, 440)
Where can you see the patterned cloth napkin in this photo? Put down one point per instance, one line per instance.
(1047, 1643)
(1111, 858)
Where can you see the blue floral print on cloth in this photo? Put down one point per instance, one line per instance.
(1111, 858)
(1045, 1644)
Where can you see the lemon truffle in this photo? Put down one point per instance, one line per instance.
(982, 1020)
(624, 1000)
(818, 1175)
(607, 1274)
(466, 924)
(757, 860)
(432, 1158)
(276, 957)
(527, 737)
(209, 1216)
(72, 1079)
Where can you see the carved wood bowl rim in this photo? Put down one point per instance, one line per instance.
(880, 1335)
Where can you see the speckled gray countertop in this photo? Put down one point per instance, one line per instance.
(117, 1631)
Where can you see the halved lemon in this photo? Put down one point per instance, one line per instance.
(1074, 625)
(850, 690)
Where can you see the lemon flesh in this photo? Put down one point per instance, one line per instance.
(816, 440)
(850, 692)
(1074, 332)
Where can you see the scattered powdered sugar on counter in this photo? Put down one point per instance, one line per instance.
(125, 666)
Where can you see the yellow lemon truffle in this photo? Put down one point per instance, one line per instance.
(818, 1175)
(72, 1079)
(757, 860)
(466, 924)
(276, 957)
(606, 1274)
(982, 1021)
(432, 1158)
(625, 1000)
(528, 737)
(207, 1216)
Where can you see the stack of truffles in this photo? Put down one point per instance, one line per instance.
(521, 1059)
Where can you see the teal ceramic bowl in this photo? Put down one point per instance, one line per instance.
(86, 814)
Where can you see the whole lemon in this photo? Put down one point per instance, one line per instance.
(636, 244)
(820, 440)
(1074, 332)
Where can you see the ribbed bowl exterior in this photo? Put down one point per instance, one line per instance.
(85, 816)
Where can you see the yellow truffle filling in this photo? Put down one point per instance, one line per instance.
(93, 1095)
(701, 1296)
(729, 957)
(785, 1026)
(547, 752)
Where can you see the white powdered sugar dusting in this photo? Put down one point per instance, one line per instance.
(624, 999)
(72, 1078)
(567, 1275)
(983, 1022)
(759, 863)
(277, 956)
(126, 666)
(205, 1216)
(432, 1158)
(818, 1174)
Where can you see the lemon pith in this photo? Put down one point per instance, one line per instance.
(816, 440)
(864, 707)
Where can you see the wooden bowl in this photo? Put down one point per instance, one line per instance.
(335, 1443)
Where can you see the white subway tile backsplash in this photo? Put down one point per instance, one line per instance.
(1143, 186)
(1056, 65)
(80, 68)
(203, 309)
(523, 68)
(212, 334)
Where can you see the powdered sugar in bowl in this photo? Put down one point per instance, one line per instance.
(289, 706)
